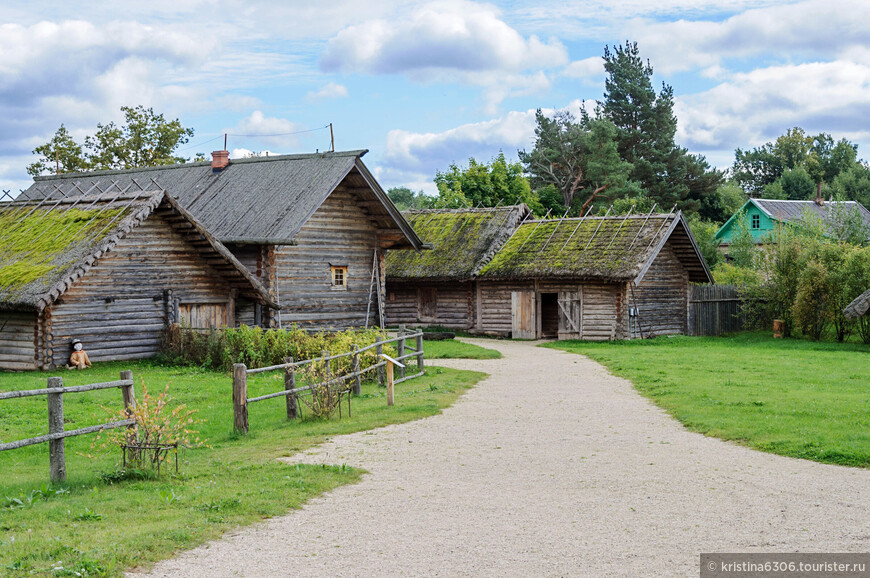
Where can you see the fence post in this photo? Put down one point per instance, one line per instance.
(289, 384)
(420, 353)
(129, 396)
(240, 398)
(56, 451)
(379, 349)
(389, 383)
(400, 350)
(357, 381)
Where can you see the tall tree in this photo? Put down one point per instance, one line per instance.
(645, 131)
(146, 139)
(404, 198)
(577, 158)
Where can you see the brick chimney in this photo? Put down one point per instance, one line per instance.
(220, 160)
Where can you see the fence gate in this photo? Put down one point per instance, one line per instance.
(715, 309)
(523, 315)
(570, 321)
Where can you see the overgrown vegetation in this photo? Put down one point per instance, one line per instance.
(100, 523)
(791, 397)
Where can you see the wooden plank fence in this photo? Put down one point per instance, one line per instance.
(56, 434)
(291, 391)
(715, 310)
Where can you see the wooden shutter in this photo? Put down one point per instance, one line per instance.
(523, 314)
(203, 315)
(570, 311)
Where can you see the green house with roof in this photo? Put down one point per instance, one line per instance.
(763, 216)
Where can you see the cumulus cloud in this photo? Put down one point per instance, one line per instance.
(755, 107)
(268, 130)
(327, 91)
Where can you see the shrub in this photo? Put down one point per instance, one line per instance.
(811, 310)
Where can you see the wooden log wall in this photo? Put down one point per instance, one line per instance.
(662, 297)
(454, 304)
(118, 307)
(18, 338)
(340, 234)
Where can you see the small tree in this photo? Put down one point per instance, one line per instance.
(811, 305)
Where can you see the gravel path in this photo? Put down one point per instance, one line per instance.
(550, 467)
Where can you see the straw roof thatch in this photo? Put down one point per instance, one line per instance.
(45, 246)
(609, 248)
(463, 241)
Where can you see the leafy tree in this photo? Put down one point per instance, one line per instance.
(743, 249)
(488, 185)
(404, 198)
(853, 184)
(146, 139)
(797, 184)
(705, 235)
(754, 169)
(61, 153)
(645, 129)
(576, 158)
(730, 198)
(811, 311)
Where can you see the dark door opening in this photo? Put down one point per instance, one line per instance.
(549, 315)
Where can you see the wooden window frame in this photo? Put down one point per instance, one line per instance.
(338, 273)
(756, 221)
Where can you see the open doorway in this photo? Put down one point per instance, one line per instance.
(549, 315)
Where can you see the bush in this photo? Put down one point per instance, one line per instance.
(811, 311)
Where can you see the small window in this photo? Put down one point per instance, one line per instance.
(339, 277)
(756, 221)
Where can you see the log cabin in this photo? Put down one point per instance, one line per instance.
(312, 228)
(112, 269)
(591, 278)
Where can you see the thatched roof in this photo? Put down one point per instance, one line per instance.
(258, 200)
(607, 248)
(859, 307)
(463, 241)
(45, 246)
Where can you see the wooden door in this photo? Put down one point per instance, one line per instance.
(570, 312)
(523, 321)
(428, 304)
(203, 315)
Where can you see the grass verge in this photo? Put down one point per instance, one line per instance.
(100, 525)
(790, 397)
(452, 349)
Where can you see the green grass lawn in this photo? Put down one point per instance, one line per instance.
(100, 527)
(450, 348)
(790, 397)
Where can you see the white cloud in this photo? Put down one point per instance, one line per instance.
(327, 91)
(268, 130)
(592, 67)
(243, 153)
(755, 107)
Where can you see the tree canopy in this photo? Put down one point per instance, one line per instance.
(146, 139)
(479, 184)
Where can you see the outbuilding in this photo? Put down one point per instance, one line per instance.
(111, 269)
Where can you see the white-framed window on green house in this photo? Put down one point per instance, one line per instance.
(756, 221)
(339, 277)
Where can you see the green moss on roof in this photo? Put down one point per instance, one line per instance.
(611, 248)
(461, 242)
(35, 242)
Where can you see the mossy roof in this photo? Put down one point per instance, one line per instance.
(607, 248)
(463, 241)
(45, 246)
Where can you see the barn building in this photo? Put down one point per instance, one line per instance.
(111, 269)
(587, 278)
(312, 228)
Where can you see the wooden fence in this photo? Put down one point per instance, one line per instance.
(56, 433)
(715, 310)
(291, 392)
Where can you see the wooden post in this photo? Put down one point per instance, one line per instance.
(56, 451)
(357, 381)
(389, 383)
(400, 350)
(327, 373)
(289, 384)
(420, 353)
(240, 398)
(379, 349)
(129, 396)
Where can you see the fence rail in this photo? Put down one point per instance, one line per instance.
(715, 310)
(56, 433)
(291, 392)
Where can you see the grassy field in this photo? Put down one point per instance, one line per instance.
(451, 348)
(98, 525)
(791, 397)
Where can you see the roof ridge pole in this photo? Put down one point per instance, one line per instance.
(618, 229)
(575, 229)
(592, 238)
(556, 228)
(642, 225)
(664, 220)
(533, 231)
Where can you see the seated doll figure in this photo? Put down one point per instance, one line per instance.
(79, 358)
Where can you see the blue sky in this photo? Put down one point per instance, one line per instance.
(423, 84)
